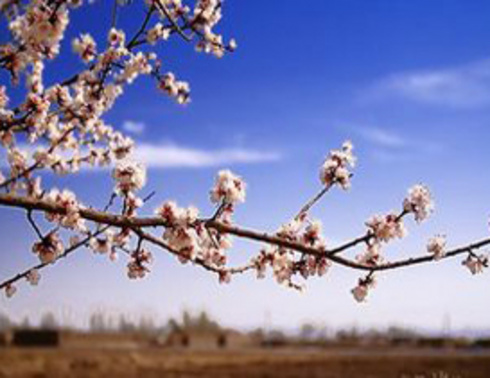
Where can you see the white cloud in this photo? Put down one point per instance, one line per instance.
(382, 137)
(134, 127)
(168, 155)
(387, 145)
(466, 86)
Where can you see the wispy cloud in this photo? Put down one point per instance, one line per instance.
(169, 155)
(134, 127)
(466, 86)
(387, 145)
(382, 137)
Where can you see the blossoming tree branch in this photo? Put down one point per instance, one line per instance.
(60, 128)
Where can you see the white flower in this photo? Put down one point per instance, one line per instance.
(156, 33)
(49, 248)
(129, 176)
(183, 239)
(419, 202)
(137, 64)
(335, 169)
(3, 97)
(360, 293)
(290, 230)
(121, 146)
(228, 188)
(282, 266)
(232, 45)
(314, 265)
(387, 227)
(136, 267)
(34, 189)
(102, 245)
(437, 246)
(33, 277)
(85, 47)
(10, 290)
(177, 216)
(476, 263)
(71, 217)
(372, 254)
(17, 160)
(180, 90)
(313, 234)
(116, 37)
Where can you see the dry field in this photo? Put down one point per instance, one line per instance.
(153, 362)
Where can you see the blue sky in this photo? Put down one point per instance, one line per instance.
(407, 81)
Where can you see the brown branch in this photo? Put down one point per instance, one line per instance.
(423, 259)
(136, 223)
(220, 270)
(40, 266)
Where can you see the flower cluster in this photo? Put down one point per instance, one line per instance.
(17, 160)
(386, 227)
(38, 32)
(283, 260)
(137, 64)
(103, 245)
(475, 263)
(85, 47)
(156, 33)
(70, 218)
(33, 277)
(190, 239)
(372, 255)
(361, 291)
(335, 169)
(49, 248)
(3, 97)
(10, 290)
(437, 246)
(419, 202)
(116, 37)
(129, 177)
(228, 188)
(179, 90)
(381, 229)
(137, 266)
(175, 216)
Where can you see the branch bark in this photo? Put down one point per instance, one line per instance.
(136, 224)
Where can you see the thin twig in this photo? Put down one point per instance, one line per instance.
(312, 202)
(34, 225)
(115, 8)
(40, 266)
(174, 23)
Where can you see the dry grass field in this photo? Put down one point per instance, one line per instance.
(284, 363)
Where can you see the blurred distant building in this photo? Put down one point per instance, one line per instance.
(206, 339)
(35, 338)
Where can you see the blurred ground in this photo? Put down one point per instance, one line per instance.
(284, 363)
